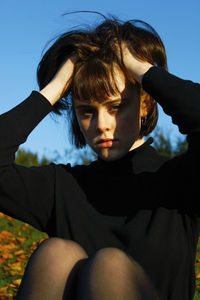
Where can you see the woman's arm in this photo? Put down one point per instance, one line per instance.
(18, 123)
(28, 193)
(179, 98)
(24, 192)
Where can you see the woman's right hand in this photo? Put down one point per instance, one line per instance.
(60, 83)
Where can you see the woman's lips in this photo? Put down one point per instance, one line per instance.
(105, 143)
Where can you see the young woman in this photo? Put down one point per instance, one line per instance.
(126, 226)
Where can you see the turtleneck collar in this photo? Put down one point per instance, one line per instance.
(129, 155)
(141, 159)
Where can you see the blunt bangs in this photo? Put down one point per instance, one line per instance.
(94, 80)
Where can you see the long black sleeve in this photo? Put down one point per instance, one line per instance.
(25, 193)
(179, 98)
(18, 123)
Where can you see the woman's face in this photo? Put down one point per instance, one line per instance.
(111, 127)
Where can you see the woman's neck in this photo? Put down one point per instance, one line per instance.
(137, 143)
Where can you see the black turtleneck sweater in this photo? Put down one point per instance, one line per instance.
(142, 203)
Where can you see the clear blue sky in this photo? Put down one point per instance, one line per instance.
(26, 26)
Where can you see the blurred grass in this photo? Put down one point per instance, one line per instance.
(18, 240)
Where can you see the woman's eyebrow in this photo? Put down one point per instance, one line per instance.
(82, 105)
(116, 101)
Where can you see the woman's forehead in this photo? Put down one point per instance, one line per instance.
(126, 92)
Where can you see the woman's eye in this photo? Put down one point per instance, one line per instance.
(87, 112)
(116, 107)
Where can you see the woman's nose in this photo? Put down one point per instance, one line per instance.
(104, 122)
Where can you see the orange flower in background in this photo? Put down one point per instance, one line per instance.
(18, 241)
(3, 290)
(6, 235)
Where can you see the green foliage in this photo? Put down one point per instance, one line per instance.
(163, 144)
(27, 158)
(197, 295)
(76, 156)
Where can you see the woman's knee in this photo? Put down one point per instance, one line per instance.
(113, 264)
(59, 252)
(113, 258)
(61, 246)
(110, 264)
(118, 273)
(50, 267)
(121, 266)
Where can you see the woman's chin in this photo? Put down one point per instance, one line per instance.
(109, 154)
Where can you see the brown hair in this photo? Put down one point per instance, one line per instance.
(94, 70)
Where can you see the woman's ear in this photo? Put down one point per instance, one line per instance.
(145, 104)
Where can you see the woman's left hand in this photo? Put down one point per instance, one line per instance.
(137, 68)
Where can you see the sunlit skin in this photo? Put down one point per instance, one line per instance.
(111, 126)
(120, 121)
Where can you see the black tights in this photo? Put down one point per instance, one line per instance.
(60, 269)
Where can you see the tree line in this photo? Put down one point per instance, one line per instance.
(162, 143)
